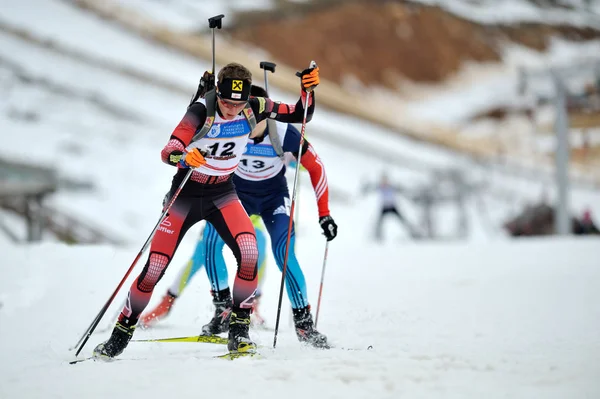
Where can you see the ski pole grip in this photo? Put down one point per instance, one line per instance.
(313, 64)
(268, 66)
(215, 22)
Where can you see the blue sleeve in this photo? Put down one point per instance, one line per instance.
(291, 140)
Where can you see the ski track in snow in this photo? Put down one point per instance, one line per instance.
(497, 320)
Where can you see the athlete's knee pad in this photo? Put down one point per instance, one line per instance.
(153, 271)
(247, 267)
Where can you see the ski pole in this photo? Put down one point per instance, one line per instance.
(290, 225)
(83, 340)
(214, 22)
(270, 66)
(321, 285)
(267, 66)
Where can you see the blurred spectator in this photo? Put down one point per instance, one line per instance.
(538, 220)
(586, 224)
(389, 205)
(534, 220)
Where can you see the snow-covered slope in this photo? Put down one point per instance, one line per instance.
(454, 321)
(93, 122)
(481, 86)
(191, 14)
(487, 318)
(568, 12)
(96, 122)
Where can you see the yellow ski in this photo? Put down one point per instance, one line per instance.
(208, 339)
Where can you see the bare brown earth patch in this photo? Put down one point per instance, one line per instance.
(379, 41)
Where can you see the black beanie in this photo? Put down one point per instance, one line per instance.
(234, 89)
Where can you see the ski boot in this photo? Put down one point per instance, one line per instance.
(117, 342)
(160, 312)
(220, 321)
(239, 340)
(305, 329)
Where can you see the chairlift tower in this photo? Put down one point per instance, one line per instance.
(557, 76)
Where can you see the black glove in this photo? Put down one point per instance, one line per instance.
(329, 227)
(310, 78)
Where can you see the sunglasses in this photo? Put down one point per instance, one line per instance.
(230, 104)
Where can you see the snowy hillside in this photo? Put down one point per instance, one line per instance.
(122, 122)
(116, 136)
(571, 12)
(186, 14)
(484, 318)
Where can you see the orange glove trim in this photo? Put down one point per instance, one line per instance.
(194, 158)
(311, 79)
